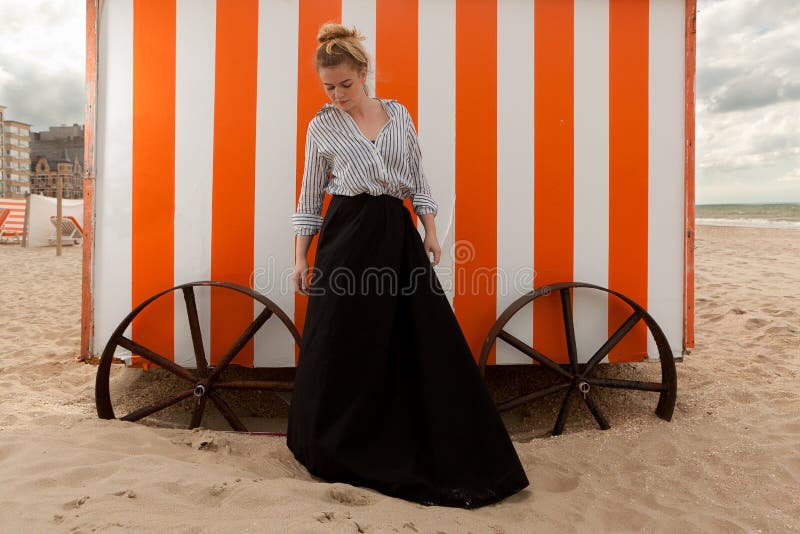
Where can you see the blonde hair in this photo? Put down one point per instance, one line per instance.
(338, 44)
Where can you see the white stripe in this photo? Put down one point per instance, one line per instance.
(113, 150)
(515, 170)
(591, 173)
(276, 114)
(665, 171)
(194, 141)
(361, 14)
(437, 128)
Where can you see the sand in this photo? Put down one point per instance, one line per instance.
(729, 460)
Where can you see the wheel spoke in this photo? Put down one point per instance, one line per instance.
(533, 354)
(615, 338)
(197, 414)
(268, 385)
(227, 412)
(155, 358)
(569, 329)
(197, 335)
(150, 410)
(598, 415)
(246, 336)
(507, 405)
(563, 412)
(627, 384)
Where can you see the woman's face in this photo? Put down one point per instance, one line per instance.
(343, 84)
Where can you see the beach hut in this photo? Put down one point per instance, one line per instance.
(557, 137)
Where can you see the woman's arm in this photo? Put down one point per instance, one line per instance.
(422, 199)
(300, 276)
(424, 205)
(307, 220)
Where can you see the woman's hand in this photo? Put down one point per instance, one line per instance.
(431, 244)
(300, 276)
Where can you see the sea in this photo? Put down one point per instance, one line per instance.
(779, 215)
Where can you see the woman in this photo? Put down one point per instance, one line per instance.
(387, 394)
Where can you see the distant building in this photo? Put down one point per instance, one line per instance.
(58, 152)
(56, 133)
(15, 156)
(44, 177)
(52, 143)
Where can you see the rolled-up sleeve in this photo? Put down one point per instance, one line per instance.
(307, 220)
(421, 197)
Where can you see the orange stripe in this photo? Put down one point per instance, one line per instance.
(553, 167)
(627, 188)
(233, 211)
(153, 170)
(688, 267)
(476, 169)
(310, 97)
(397, 68)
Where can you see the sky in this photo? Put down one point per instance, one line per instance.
(747, 106)
(42, 61)
(748, 101)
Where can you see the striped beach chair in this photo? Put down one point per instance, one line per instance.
(71, 231)
(12, 219)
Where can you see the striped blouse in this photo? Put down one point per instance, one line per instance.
(341, 160)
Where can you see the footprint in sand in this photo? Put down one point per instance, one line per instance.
(752, 324)
(217, 489)
(349, 495)
(326, 517)
(75, 503)
(558, 484)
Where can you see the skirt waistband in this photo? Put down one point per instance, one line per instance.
(368, 197)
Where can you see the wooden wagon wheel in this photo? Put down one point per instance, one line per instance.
(577, 378)
(204, 381)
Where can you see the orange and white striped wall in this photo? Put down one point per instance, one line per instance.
(555, 137)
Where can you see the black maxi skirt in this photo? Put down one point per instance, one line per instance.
(387, 394)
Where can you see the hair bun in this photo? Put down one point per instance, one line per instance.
(329, 32)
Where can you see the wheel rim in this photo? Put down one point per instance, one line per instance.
(202, 383)
(576, 379)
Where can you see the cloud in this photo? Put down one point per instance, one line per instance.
(753, 90)
(39, 97)
(747, 53)
(748, 100)
(42, 61)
